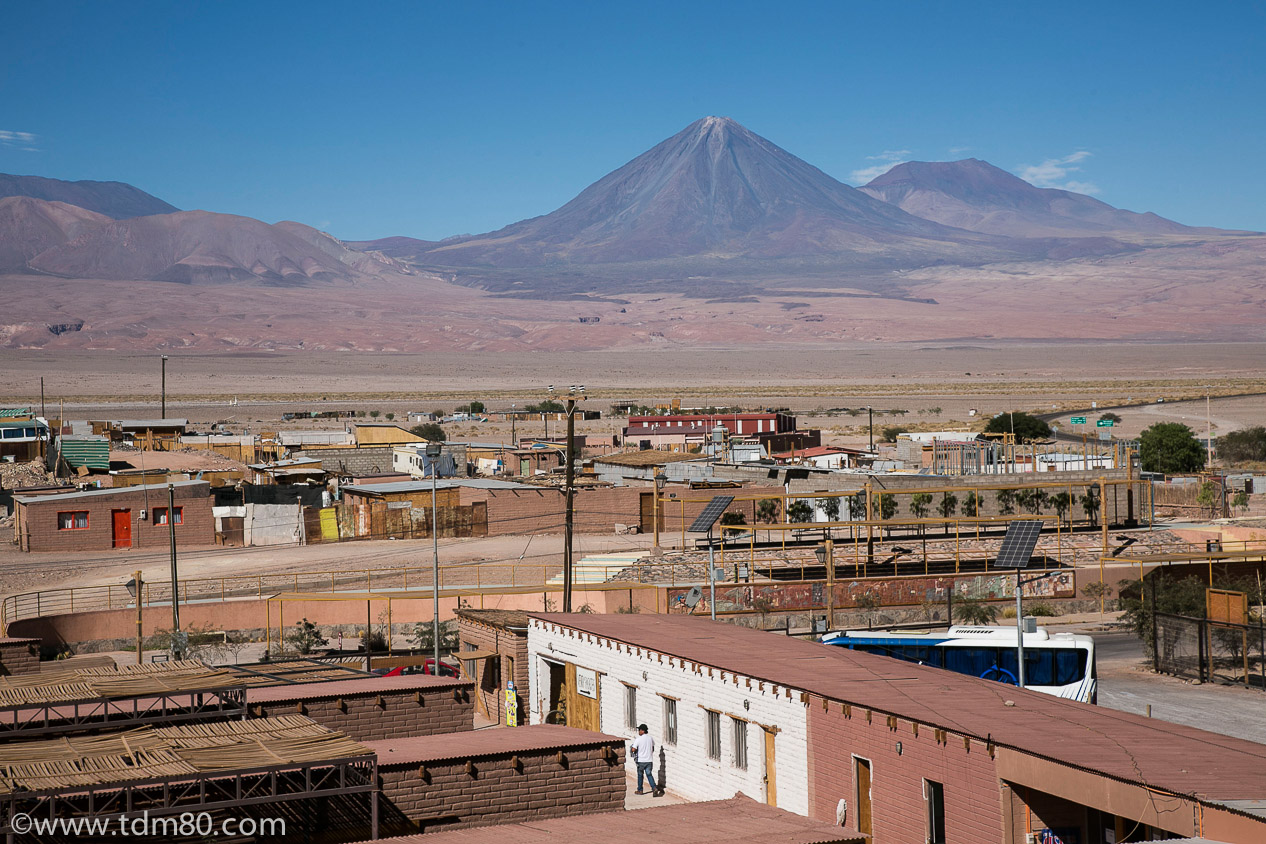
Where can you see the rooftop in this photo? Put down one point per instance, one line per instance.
(471, 744)
(1207, 766)
(648, 457)
(496, 618)
(739, 820)
(353, 686)
(90, 493)
(425, 486)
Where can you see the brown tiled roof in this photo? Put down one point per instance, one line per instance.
(649, 457)
(1131, 748)
(472, 744)
(347, 688)
(496, 618)
(739, 820)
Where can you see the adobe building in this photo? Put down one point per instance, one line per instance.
(101, 519)
(898, 752)
(500, 637)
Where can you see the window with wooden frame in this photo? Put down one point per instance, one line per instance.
(670, 720)
(713, 721)
(738, 729)
(73, 520)
(630, 706)
(160, 515)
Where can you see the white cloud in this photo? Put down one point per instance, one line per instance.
(1054, 172)
(884, 162)
(24, 141)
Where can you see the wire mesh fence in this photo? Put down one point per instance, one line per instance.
(1209, 651)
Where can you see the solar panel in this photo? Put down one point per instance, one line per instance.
(705, 520)
(1018, 544)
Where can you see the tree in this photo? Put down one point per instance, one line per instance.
(475, 407)
(800, 511)
(919, 503)
(423, 638)
(971, 505)
(1006, 501)
(1032, 500)
(547, 406)
(374, 414)
(1176, 597)
(857, 505)
(306, 637)
(1090, 504)
(1027, 428)
(973, 611)
(1209, 496)
(1109, 417)
(1240, 501)
(730, 521)
(1170, 447)
(889, 434)
(390, 416)
(948, 505)
(1244, 446)
(429, 431)
(830, 508)
(885, 505)
(1062, 502)
(767, 510)
(1096, 591)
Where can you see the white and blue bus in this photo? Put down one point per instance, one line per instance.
(1061, 664)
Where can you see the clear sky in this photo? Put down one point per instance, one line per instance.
(431, 119)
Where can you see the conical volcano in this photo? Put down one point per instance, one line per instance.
(714, 190)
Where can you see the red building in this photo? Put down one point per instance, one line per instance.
(99, 519)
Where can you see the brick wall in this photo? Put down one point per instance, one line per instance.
(366, 713)
(444, 794)
(492, 683)
(37, 520)
(19, 656)
(354, 461)
(973, 797)
(597, 510)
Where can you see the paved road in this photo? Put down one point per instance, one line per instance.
(1127, 685)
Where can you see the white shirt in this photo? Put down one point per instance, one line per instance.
(644, 748)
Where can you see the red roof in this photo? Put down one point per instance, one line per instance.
(739, 820)
(1159, 754)
(471, 744)
(347, 688)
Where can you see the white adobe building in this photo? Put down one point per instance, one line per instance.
(718, 732)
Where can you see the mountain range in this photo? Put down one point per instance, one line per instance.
(715, 215)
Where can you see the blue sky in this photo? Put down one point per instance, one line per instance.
(430, 119)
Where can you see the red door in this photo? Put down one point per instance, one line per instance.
(122, 528)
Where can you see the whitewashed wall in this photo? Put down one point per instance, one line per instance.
(689, 770)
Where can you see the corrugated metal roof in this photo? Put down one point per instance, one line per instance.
(90, 493)
(354, 686)
(90, 451)
(10, 412)
(648, 457)
(739, 820)
(149, 423)
(1184, 760)
(472, 744)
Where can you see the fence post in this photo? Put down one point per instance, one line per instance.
(1151, 587)
(1200, 648)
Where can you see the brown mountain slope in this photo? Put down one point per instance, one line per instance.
(30, 226)
(192, 247)
(114, 199)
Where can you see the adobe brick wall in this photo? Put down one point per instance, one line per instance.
(973, 794)
(360, 715)
(499, 792)
(512, 647)
(19, 656)
(597, 510)
(36, 523)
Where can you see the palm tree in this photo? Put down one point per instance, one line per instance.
(973, 611)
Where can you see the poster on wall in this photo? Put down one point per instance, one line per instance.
(587, 683)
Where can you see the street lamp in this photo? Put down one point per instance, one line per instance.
(433, 451)
(164, 388)
(134, 587)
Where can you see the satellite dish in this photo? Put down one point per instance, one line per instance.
(694, 596)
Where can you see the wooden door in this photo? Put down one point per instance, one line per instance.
(583, 712)
(122, 528)
(647, 512)
(234, 529)
(771, 769)
(865, 824)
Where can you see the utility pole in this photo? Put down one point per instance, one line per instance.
(433, 452)
(570, 476)
(140, 637)
(870, 415)
(1208, 428)
(176, 643)
(42, 413)
(514, 443)
(164, 389)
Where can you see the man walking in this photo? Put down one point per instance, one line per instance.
(643, 748)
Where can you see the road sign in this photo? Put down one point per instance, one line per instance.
(1105, 435)
(1078, 420)
(1104, 423)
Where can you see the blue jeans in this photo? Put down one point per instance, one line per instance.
(644, 768)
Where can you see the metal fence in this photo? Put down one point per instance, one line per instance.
(1208, 651)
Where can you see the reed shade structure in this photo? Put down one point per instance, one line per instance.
(150, 753)
(107, 682)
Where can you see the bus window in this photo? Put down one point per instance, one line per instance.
(973, 661)
(1070, 666)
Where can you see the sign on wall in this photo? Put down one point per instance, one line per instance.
(587, 683)
(512, 706)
